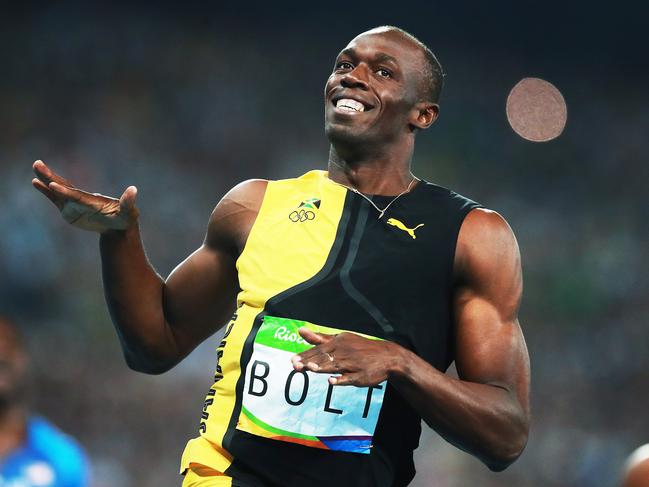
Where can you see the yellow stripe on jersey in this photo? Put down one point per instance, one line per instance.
(202, 477)
(287, 245)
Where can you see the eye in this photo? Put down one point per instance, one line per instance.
(384, 73)
(344, 65)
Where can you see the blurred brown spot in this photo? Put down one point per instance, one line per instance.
(536, 110)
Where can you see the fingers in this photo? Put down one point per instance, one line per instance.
(305, 359)
(316, 358)
(314, 352)
(350, 379)
(313, 337)
(127, 200)
(127, 203)
(323, 363)
(68, 193)
(88, 211)
(40, 186)
(46, 175)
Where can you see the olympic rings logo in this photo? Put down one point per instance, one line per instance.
(301, 215)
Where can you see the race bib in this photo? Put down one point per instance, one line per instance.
(302, 407)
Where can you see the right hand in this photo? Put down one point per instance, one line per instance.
(89, 211)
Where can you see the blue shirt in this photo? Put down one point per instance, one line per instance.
(48, 458)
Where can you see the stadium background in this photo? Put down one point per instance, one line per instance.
(186, 102)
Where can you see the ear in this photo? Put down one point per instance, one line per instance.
(424, 114)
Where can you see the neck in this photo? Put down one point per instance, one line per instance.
(13, 428)
(387, 173)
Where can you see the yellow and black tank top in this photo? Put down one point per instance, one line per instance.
(319, 256)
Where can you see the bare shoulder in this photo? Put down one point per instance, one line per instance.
(245, 190)
(484, 234)
(247, 194)
(234, 215)
(487, 253)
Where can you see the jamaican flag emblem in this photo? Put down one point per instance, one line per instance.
(305, 211)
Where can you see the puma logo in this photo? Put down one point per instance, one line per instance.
(410, 231)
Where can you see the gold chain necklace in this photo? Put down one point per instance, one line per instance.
(381, 211)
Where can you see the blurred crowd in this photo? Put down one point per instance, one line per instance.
(185, 106)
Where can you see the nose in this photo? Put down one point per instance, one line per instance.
(356, 78)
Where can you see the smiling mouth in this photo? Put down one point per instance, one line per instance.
(349, 105)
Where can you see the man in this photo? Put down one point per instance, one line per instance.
(364, 277)
(32, 451)
(636, 470)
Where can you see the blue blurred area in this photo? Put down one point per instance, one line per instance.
(186, 102)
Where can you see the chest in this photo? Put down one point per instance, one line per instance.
(403, 252)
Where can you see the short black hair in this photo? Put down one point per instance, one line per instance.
(433, 76)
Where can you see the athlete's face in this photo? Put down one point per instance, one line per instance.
(372, 93)
(13, 366)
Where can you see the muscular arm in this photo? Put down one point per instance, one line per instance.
(160, 321)
(486, 411)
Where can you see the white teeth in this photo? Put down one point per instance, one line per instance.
(351, 105)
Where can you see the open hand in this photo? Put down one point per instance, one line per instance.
(89, 211)
(360, 361)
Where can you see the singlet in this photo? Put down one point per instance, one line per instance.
(48, 458)
(319, 255)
